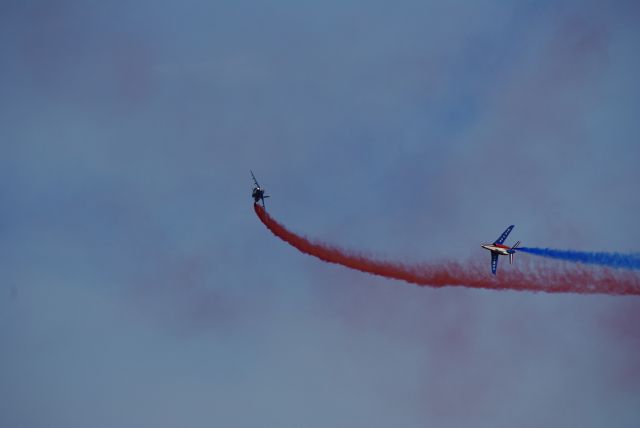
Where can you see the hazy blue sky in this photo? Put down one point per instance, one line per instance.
(139, 290)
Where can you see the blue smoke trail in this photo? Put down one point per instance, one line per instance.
(615, 260)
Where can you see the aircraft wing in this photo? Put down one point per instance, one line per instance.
(494, 263)
(504, 235)
(254, 179)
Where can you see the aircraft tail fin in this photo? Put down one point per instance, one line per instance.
(512, 251)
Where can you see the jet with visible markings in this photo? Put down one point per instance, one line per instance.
(499, 249)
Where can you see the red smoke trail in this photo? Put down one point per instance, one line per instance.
(574, 279)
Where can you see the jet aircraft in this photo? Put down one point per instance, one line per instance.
(499, 249)
(258, 192)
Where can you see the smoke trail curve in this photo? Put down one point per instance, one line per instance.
(573, 279)
(615, 260)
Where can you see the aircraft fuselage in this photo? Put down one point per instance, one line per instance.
(499, 249)
(257, 194)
